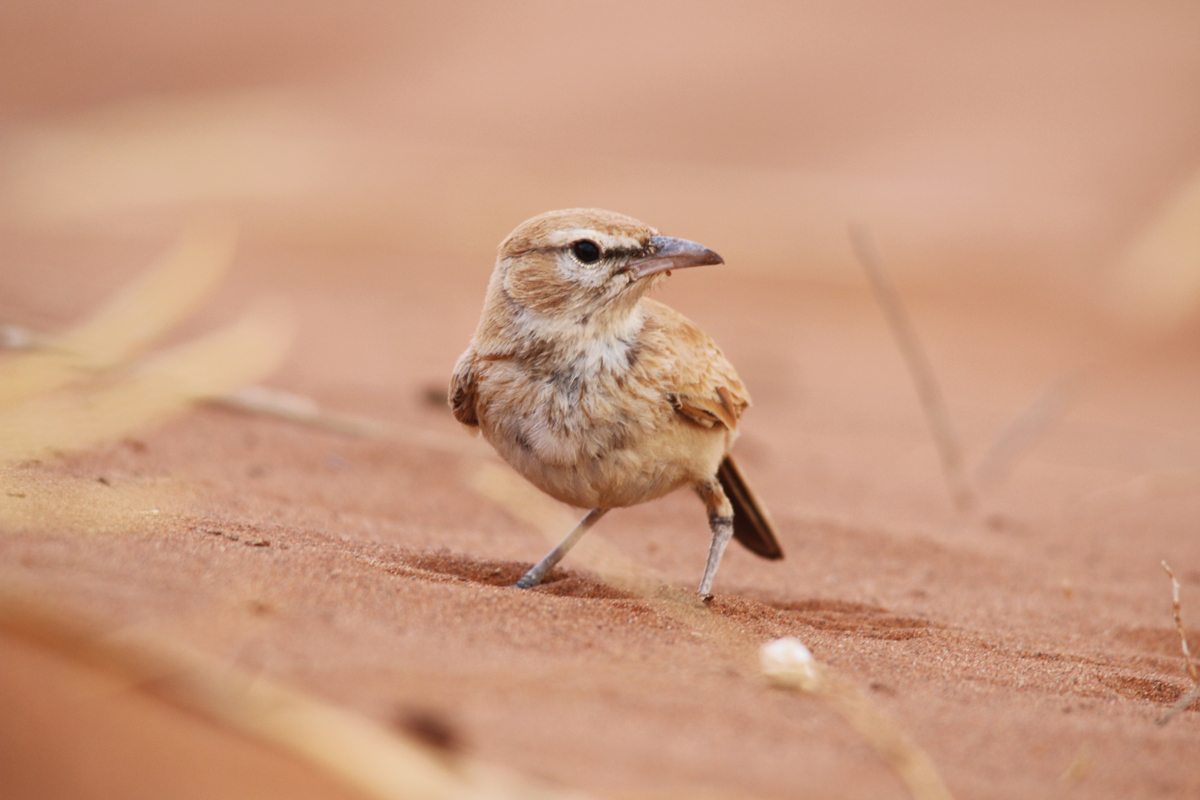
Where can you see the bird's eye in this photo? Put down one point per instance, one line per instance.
(587, 251)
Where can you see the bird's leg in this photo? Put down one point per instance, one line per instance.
(535, 575)
(720, 520)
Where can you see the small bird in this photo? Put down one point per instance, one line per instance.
(598, 395)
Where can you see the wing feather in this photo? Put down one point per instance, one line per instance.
(463, 392)
(702, 385)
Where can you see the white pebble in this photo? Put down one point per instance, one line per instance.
(787, 660)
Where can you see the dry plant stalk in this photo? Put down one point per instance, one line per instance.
(18, 337)
(1191, 695)
(159, 386)
(361, 753)
(1177, 607)
(1079, 767)
(79, 388)
(921, 371)
(129, 322)
(1153, 486)
(1017, 437)
(306, 411)
(787, 663)
(1023, 431)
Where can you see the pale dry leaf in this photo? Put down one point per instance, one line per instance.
(128, 323)
(211, 366)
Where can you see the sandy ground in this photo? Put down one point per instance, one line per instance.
(1027, 647)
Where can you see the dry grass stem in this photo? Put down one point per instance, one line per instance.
(354, 749)
(18, 337)
(1181, 705)
(1024, 431)
(306, 411)
(1191, 695)
(921, 371)
(788, 664)
(1079, 767)
(1153, 486)
(1177, 607)
(121, 403)
(79, 388)
(128, 323)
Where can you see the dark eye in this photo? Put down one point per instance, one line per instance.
(587, 251)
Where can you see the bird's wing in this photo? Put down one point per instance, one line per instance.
(703, 411)
(462, 390)
(705, 390)
(702, 385)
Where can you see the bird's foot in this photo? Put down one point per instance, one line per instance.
(528, 581)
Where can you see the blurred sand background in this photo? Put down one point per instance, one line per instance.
(1031, 174)
(1023, 146)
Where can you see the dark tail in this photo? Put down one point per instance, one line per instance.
(751, 524)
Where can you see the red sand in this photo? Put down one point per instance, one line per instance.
(1010, 647)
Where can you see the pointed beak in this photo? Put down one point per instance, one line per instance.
(671, 253)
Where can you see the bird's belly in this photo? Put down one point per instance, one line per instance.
(609, 462)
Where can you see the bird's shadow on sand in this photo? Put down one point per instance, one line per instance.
(827, 614)
(559, 582)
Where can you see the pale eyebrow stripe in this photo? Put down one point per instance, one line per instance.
(606, 241)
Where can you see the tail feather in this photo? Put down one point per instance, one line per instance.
(752, 525)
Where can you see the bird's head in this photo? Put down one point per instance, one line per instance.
(587, 265)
